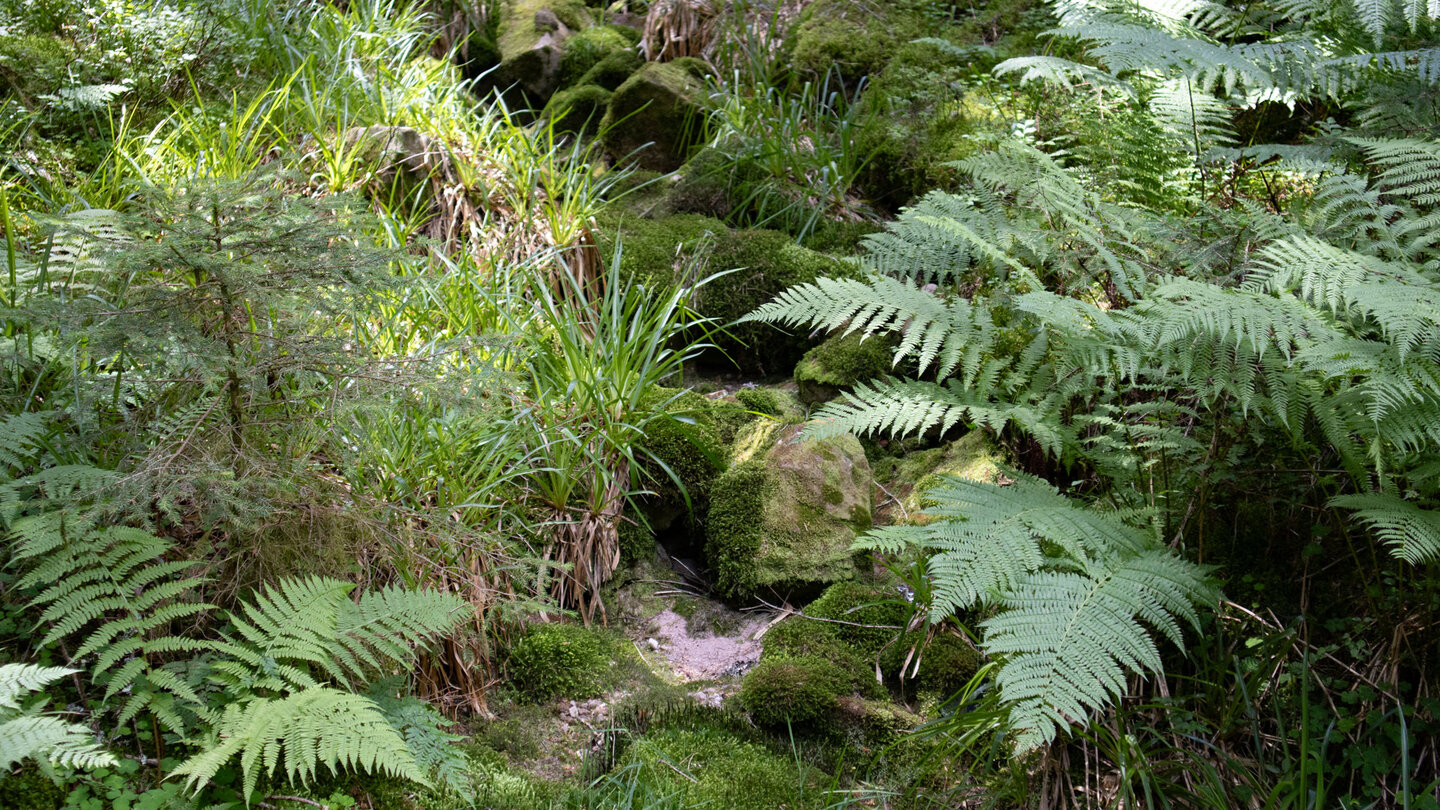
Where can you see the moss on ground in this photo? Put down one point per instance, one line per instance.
(552, 660)
(860, 603)
(801, 692)
(705, 768)
(800, 638)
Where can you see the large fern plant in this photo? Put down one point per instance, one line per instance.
(281, 684)
(27, 732)
(1149, 343)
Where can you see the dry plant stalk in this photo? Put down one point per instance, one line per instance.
(676, 28)
(589, 548)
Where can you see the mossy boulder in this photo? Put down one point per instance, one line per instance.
(588, 48)
(839, 363)
(560, 659)
(853, 38)
(711, 768)
(774, 402)
(613, 70)
(801, 692)
(684, 248)
(875, 615)
(686, 442)
(785, 514)
(875, 722)
(764, 264)
(654, 117)
(972, 457)
(800, 637)
(531, 40)
(578, 109)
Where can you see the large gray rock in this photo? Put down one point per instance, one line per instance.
(784, 516)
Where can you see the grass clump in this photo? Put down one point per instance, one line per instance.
(560, 659)
(801, 692)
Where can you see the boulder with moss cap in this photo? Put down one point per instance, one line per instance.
(531, 41)
(784, 516)
(655, 116)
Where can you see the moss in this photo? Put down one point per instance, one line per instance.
(840, 238)
(637, 542)
(29, 789)
(946, 664)
(800, 638)
(613, 69)
(530, 57)
(840, 362)
(765, 263)
(771, 402)
(706, 768)
(586, 49)
(863, 604)
(800, 692)
(971, 457)
(852, 37)
(578, 109)
(560, 659)
(733, 534)
(654, 117)
(688, 445)
(649, 247)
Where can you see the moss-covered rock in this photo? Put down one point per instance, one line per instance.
(688, 445)
(878, 607)
(946, 664)
(654, 117)
(765, 263)
(800, 692)
(853, 37)
(971, 457)
(840, 362)
(802, 637)
(588, 48)
(773, 402)
(786, 513)
(531, 40)
(711, 768)
(875, 722)
(611, 71)
(560, 659)
(578, 109)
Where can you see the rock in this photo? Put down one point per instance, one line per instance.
(546, 21)
(578, 109)
(784, 516)
(840, 362)
(654, 117)
(530, 49)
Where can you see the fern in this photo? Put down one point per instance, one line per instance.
(25, 733)
(1075, 590)
(313, 727)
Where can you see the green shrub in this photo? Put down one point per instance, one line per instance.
(559, 659)
(801, 692)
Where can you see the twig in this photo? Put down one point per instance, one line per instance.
(802, 615)
(904, 513)
(677, 770)
(300, 799)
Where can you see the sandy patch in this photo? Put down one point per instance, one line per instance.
(707, 657)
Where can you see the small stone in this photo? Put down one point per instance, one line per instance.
(545, 20)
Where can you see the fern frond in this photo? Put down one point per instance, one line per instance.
(298, 734)
(1411, 532)
(1068, 640)
(27, 734)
